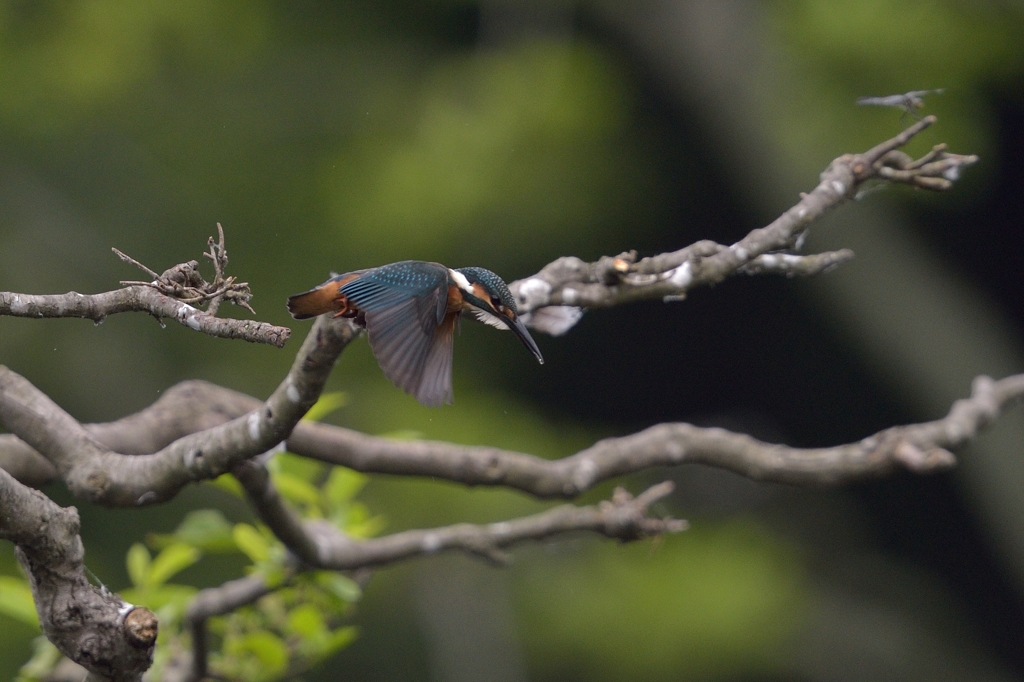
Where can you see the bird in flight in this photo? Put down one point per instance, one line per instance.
(410, 310)
(908, 102)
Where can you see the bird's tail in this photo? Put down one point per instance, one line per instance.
(323, 299)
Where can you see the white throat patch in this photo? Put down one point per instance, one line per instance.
(460, 280)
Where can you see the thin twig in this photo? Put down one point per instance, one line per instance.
(128, 259)
(320, 545)
(624, 517)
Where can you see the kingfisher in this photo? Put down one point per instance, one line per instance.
(410, 310)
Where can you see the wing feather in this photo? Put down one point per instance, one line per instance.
(402, 311)
(435, 386)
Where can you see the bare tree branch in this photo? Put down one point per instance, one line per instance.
(198, 431)
(169, 295)
(98, 307)
(608, 281)
(183, 409)
(622, 279)
(288, 527)
(96, 473)
(90, 625)
(24, 463)
(624, 517)
(919, 447)
(793, 265)
(320, 545)
(216, 601)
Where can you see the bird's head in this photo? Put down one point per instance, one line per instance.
(488, 297)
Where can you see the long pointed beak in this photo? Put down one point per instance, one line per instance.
(520, 330)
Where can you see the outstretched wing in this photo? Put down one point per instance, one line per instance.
(405, 306)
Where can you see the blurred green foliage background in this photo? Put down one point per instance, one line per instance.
(337, 135)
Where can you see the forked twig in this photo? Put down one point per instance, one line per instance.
(184, 283)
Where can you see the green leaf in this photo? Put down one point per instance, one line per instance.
(251, 542)
(138, 560)
(357, 522)
(307, 621)
(274, 576)
(328, 402)
(296, 490)
(207, 530)
(342, 485)
(16, 600)
(169, 561)
(268, 648)
(341, 586)
(228, 484)
(368, 528)
(340, 639)
(156, 598)
(300, 467)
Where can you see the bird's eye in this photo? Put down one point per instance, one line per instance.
(496, 303)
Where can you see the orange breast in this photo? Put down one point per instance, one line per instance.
(455, 303)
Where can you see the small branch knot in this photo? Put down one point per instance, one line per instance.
(183, 274)
(983, 394)
(626, 516)
(920, 460)
(140, 628)
(609, 270)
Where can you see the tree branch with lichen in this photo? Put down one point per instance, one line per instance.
(571, 285)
